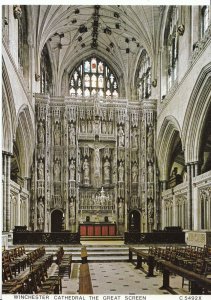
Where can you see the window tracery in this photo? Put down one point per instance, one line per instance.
(145, 76)
(93, 77)
(46, 72)
(205, 18)
(172, 47)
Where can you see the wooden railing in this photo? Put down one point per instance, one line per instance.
(154, 238)
(198, 281)
(30, 237)
(143, 257)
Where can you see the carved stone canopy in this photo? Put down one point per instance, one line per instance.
(17, 11)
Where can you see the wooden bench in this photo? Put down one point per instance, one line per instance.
(65, 265)
(36, 280)
(198, 282)
(35, 255)
(59, 254)
(14, 264)
(12, 285)
(52, 285)
(143, 257)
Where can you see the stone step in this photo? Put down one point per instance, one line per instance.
(96, 253)
(100, 238)
(103, 259)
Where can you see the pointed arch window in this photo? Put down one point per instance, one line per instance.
(172, 47)
(46, 72)
(93, 77)
(144, 76)
(205, 18)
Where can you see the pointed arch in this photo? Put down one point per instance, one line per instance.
(169, 132)
(196, 114)
(25, 140)
(8, 111)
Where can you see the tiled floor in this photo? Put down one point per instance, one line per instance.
(119, 278)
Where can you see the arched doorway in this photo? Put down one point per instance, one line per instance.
(134, 221)
(56, 220)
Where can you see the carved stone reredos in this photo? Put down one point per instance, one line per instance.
(86, 144)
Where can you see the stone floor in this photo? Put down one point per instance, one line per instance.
(119, 278)
(122, 277)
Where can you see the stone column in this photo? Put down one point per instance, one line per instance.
(6, 190)
(4, 164)
(190, 172)
(174, 212)
(47, 168)
(149, 108)
(127, 170)
(163, 185)
(19, 209)
(163, 211)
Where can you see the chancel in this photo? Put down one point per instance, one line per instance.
(106, 143)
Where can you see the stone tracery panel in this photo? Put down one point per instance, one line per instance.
(89, 158)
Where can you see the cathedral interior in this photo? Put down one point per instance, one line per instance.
(106, 120)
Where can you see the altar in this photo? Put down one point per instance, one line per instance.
(97, 229)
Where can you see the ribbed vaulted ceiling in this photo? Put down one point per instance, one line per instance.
(116, 33)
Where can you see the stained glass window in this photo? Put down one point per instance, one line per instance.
(93, 65)
(94, 81)
(93, 77)
(87, 80)
(100, 81)
(86, 93)
(79, 92)
(100, 67)
(87, 66)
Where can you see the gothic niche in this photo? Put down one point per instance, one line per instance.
(93, 173)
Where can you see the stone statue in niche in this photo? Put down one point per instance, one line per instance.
(40, 170)
(32, 178)
(97, 162)
(89, 126)
(110, 127)
(97, 127)
(57, 134)
(104, 129)
(150, 173)
(57, 170)
(86, 171)
(40, 133)
(134, 138)
(40, 209)
(72, 209)
(150, 145)
(72, 170)
(72, 134)
(135, 172)
(121, 172)
(121, 136)
(150, 211)
(121, 209)
(107, 171)
(17, 11)
(83, 126)
(150, 190)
